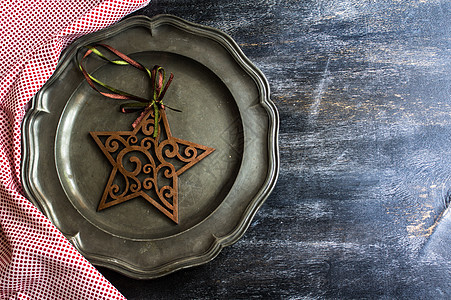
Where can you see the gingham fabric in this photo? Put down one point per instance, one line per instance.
(36, 261)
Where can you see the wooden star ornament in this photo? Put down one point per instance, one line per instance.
(145, 166)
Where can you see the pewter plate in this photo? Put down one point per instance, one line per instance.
(225, 104)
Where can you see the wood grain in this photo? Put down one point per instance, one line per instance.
(361, 208)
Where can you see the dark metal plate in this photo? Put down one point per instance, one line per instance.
(225, 103)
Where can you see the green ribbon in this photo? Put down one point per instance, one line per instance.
(156, 77)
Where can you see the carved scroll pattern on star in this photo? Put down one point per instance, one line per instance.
(142, 164)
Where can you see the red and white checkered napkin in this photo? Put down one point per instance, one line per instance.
(36, 261)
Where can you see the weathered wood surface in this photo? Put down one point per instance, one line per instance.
(361, 208)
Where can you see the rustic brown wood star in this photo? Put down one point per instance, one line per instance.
(147, 167)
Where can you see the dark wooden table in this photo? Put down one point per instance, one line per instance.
(361, 207)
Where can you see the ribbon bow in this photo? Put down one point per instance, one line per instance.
(156, 76)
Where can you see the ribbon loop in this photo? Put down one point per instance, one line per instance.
(156, 77)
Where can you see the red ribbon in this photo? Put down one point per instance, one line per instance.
(156, 76)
